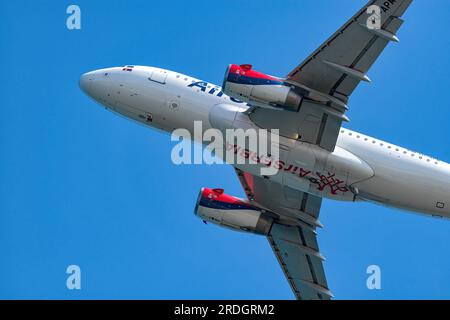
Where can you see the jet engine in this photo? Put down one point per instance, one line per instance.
(226, 211)
(258, 89)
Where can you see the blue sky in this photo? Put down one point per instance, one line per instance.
(79, 185)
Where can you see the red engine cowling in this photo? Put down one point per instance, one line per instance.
(216, 207)
(244, 83)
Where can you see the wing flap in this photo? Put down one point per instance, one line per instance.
(297, 252)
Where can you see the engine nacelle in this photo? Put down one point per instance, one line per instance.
(216, 207)
(244, 83)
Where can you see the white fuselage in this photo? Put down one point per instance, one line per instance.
(361, 167)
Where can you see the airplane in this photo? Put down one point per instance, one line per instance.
(318, 158)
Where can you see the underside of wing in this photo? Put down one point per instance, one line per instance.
(341, 62)
(327, 78)
(285, 201)
(292, 237)
(297, 252)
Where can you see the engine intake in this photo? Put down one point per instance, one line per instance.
(244, 83)
(226, 211)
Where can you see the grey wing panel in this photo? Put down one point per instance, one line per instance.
(295, 245)
(282, 200)
(341, 62)
(297, 252)
(312, 123)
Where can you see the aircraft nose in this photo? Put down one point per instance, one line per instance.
(93, 82)
(85, 82)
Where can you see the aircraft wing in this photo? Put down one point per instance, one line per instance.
(341, 62)
(332, 72)
(293, 237)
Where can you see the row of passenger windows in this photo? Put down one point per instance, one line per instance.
(185, 78)
(392, 148)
